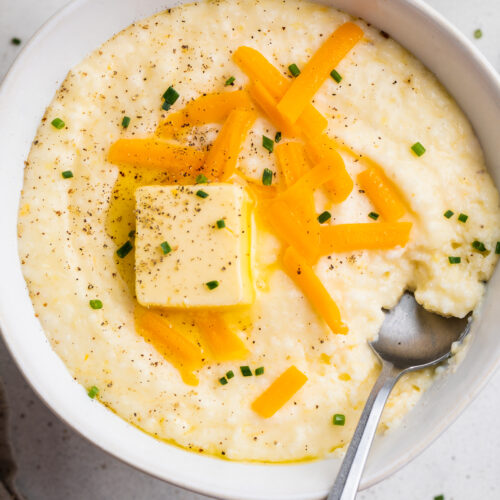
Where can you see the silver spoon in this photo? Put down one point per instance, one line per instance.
(411, 338)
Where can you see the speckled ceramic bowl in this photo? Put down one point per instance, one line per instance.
(29, 87)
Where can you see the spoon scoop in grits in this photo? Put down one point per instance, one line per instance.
(410, 339)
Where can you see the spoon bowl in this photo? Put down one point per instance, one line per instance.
(411, 338)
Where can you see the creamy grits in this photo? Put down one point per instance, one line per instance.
(71, 225)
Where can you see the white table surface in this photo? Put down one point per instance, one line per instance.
(57, 464)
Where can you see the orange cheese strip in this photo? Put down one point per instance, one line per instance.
(294, 227)
(208, 108)
(322, 148)
(382, 193)
(223, 342)
(155, 153)
(305, 278)
(259, 69)
(317, 70)
(292, 161)
(364, 236)
(279, 392)
(222, 158)
(184, 354)
(268, 103)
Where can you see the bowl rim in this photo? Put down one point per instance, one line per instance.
(488, 74)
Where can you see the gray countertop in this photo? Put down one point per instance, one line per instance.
(55, 463)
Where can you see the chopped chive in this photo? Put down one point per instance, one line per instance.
(230, 374)
(463, 218)
(294, 69)
(223, 381)
(336, 75)
(221, 224)
(171, 95)
(277, 137)
(439, 497)
(268, 143)
(95, 304)
(259, 371)
(202, 194)
(478, 33)
(131, 234)
(497, 248)
(448, 214)
(67, 174)
(454, 260)
(166, 106)
(93, 392)
(373, 215)
(212, 284)
(418, 149)
(230, 81)
(323, 217)
(126, 121)
(166, 248)
(479, 246)
(267, 177)
(124, 250)
(338, 419)
(15, 41)
(201, 179)
(58, 123)
(245, 371)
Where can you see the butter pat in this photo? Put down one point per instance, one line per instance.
(201, 252)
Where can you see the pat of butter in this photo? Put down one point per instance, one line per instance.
(201, 252)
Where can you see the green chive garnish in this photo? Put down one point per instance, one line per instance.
(454, 260)
(245, 371)
(212, 284)
(418, 149)
(338, 419)
(95, 304)
(479, 246)
(124, 250)
(463, 218)
(497, 248)
(15, 41)
(221, 224)
(336, 75)
(166, 248)
(277, 137)
(267, 177)
(230, 81)
(439, 497)
(171, 95)
(93, 392)
(294, 69)
(259, 371)
(268, 143)
(373, 215)
(478, 33)
(448, 214)
(126, 121)
(201, 179)
(58, 123)
(201, 193)
(223, 381)
(323, 217)
(67, 174)
(230, 374)
(131, 234)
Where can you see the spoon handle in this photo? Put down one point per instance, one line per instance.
(347, 481)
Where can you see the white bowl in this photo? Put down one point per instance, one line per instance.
(29, 87)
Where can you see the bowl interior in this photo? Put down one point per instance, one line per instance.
(27, 90)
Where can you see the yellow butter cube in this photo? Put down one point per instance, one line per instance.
(193, 246)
